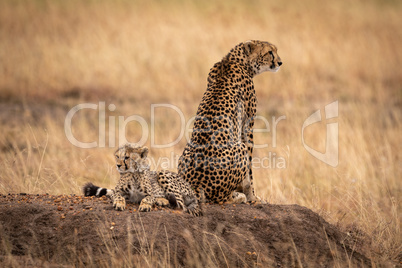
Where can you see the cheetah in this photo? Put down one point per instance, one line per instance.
(140, 185)
(217, 159)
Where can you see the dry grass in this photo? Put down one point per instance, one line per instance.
(57, 54)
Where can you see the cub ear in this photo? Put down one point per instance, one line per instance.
(144, 152)
(249, 47)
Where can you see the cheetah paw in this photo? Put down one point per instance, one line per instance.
(239, 198)
(195, 211)
(145, 207)
(163, 202)
(258, 200)
(119, 203)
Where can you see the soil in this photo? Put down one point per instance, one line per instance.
(69, 230)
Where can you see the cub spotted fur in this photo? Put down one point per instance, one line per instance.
(138, 184)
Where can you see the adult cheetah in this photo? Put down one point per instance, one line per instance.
(217, 159)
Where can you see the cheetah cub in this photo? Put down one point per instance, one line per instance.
(138, 184)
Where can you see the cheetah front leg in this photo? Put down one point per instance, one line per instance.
(119, 202)
(147, 203)
(154, 196)
(247, 186)
(248, 189)
(156, 191)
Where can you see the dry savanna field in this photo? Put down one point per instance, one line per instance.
(138, 70)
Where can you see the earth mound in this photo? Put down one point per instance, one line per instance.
(46, 230)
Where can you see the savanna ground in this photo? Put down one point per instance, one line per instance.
(123, 57)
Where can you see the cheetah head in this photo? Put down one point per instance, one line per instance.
(131, 158)
(262, 56)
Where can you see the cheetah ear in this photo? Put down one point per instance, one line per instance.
(144, 152)
(249, 47)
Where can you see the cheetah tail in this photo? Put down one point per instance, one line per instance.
(91, 190)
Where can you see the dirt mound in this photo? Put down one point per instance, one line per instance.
(74, 230)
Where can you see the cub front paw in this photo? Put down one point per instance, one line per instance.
(119, 203)
(145, 207)
(163, 202)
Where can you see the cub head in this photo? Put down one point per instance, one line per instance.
(262, 56)
(131, 158)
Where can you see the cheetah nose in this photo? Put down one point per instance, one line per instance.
(118, 166)
(280, 63)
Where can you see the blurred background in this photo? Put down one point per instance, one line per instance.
(55, 55)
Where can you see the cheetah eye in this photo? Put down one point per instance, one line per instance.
(270, 53)
(117, 157)
(127, 157)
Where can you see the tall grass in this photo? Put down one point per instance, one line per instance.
(57, 54)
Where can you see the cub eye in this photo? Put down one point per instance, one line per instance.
(127, 157)
(117, 157)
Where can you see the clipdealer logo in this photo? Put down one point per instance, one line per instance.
(107, 125)
(331, 154)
